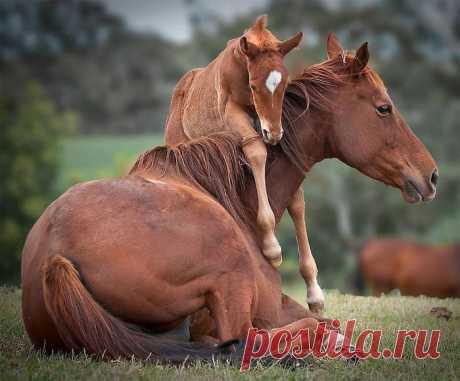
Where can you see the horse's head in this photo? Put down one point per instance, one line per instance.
(268, 77)
(369, 133)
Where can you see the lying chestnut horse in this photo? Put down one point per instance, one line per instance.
(413, 268)
(247, 75)
(112, 262)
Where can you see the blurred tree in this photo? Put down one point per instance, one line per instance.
(30, 129)
(52, 27)
(87, 60)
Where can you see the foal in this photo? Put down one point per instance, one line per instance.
(249, 75)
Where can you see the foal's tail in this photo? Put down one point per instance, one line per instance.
(83, 324)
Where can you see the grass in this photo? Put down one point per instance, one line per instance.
(19, 361)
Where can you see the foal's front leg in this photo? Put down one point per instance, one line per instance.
(256, 153)
(307, 264)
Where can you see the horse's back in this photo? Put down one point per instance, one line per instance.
(144, 249)
(413, 268)
(431, 271)
(378, 263)
(174, 130)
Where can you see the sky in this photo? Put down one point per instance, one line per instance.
(170, 17)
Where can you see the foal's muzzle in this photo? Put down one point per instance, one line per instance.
(271, 138)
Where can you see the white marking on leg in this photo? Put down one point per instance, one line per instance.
(314, 293)
(273, 80)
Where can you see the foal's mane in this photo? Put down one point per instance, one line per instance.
(216, 163)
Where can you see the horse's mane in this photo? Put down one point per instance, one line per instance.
(216, 163)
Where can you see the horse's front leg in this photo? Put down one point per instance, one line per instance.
(307, 264)
(256, 153)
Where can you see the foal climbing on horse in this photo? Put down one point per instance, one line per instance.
(249, 75)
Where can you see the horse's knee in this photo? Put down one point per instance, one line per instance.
(297, 208)
(297, 205)
(256, 153)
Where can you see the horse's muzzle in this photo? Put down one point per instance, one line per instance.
(271, 138)
(416, 191)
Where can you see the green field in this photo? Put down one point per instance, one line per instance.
(19, 361)
(90, 157)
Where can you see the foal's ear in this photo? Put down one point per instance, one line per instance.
(334, 48)
(287, 45)
(261, 23)
(361, 59)
(249, 49)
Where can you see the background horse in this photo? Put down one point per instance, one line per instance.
(413, 268)
(248, 75)
(175, 237)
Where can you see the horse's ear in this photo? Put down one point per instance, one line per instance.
(287, 45)
(249, 49)
(260, 24)
(361, 59)
(334, 48)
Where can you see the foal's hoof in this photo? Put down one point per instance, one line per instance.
(316, 307)
(276, 262)
(273, 254)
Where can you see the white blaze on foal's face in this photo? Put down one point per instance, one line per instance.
(273, 80)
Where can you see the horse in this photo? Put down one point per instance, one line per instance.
(247, 75)
(413, 268)
(114, 266)
(320, 93)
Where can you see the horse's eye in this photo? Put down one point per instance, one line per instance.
(253, 88)
(384, 110)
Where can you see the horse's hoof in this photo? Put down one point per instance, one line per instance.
(317, 307)
(276, 262)
(273, 254)
(315, 298)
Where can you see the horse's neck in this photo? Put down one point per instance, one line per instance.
(283, 177)
(232, 72)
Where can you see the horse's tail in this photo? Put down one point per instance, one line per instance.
(83, 324)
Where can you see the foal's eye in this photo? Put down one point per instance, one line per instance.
(384, 110)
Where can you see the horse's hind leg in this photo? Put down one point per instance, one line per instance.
(229, 303)
(307, 264)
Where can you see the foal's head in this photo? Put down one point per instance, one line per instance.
(268, 77)
(368, 132)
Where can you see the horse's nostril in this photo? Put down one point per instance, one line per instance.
(265, 134)
(434, 177)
